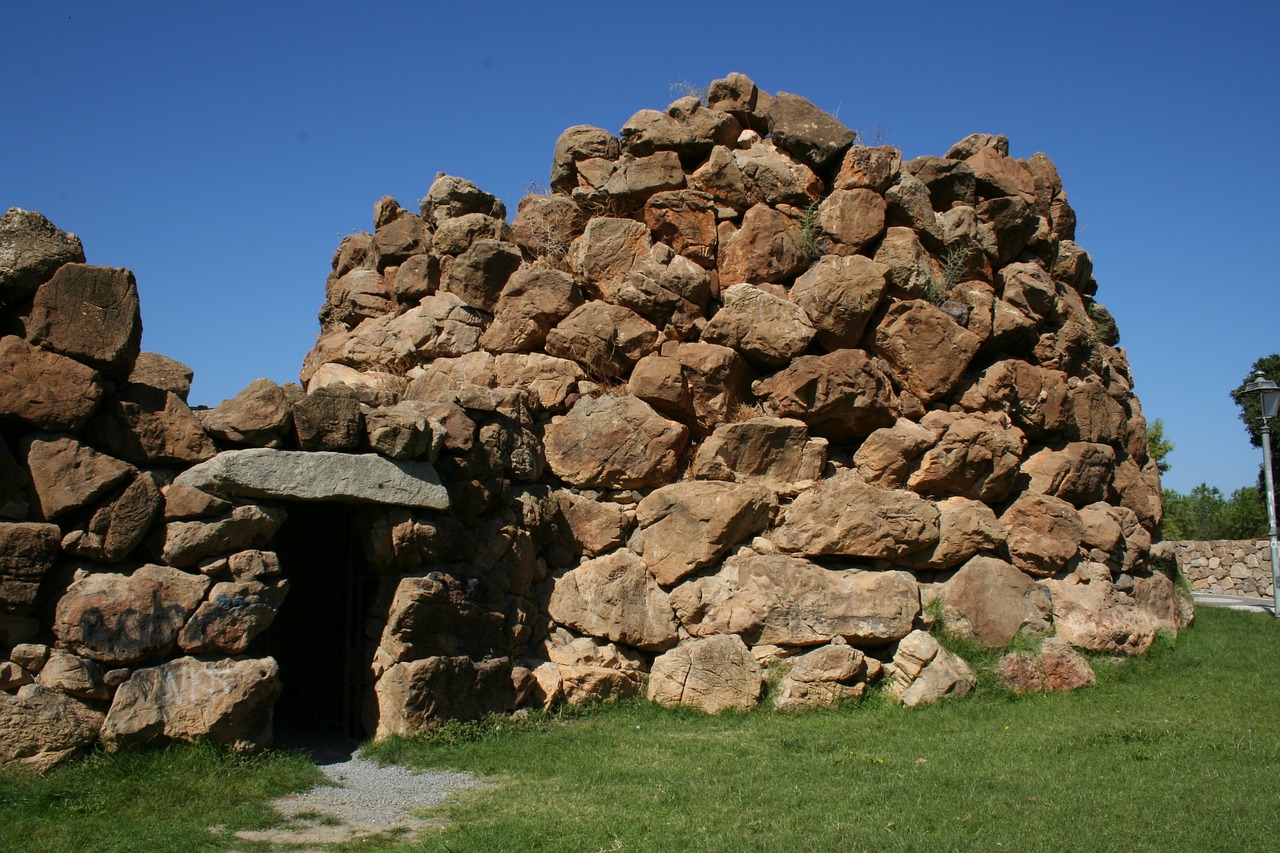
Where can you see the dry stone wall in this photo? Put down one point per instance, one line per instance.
(739, 392)
(1223, 566)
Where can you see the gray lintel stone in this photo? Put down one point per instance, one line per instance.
(318, 476)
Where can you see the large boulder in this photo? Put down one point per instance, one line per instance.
(991, 601)
(117, 618)
(234, 613)
(846, 517)
(31, 249)
(90, 314)
(222, 701)
(1044, 534)
(1054, 667)
(922, 671)
(775, 452)
(840, 294)
(789, 601)
(842, 395)
(119, 524)
(303, 476)
(712, 674)
(186, 543)
(67, 475)
(823, 676)
(533, 300)
(45, 389)
(1093, 612)
(438, 614)
(972, 455)
(614, 442)
(41, 727)
(687, 526)
(768, 330)
(766, 248)
(415, 695)
(927, 349)
(259, 415)
(28, 551)
(615, 598)
(605, 339)
(151, 426)
(812, 135)
(583, 670)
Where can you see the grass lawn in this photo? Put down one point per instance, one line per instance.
(1179, 750)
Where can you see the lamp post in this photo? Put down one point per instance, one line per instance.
(1269, 398)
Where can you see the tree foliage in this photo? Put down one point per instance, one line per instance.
(1205, 514)
(1158, 446)
(1251, 412)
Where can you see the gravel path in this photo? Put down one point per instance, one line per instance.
(365, 799)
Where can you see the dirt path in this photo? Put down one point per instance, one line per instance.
(364, 799)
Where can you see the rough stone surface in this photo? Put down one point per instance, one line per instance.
(614, 597)
(41, 728)
(416, 694)
(119, 619)
(67, 475)
(1055, 667)
(922, 671)
(223, 701)
(31, 249)
(789, 601)
(990, 601)
(294, 475)
(259, 416)
(27, 553)
(233, 614)
(840, 294)
(768, 330)
(614, 442)
(150, 426)
(842, 395)
(119, 525)
(90, 314)
(927, 349)
(44, 389)
(823, 676)
(812, 135)
(775, 452)
(846, 517)
(687, 526)
(712, 674)
(186, 543)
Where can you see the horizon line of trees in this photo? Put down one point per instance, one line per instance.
(1205, 513)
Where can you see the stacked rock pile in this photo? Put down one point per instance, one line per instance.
(738, 392)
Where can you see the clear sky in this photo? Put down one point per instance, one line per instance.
(220, 150)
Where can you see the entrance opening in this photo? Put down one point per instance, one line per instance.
(318, 635)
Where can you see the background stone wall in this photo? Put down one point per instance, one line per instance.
(1225, 566)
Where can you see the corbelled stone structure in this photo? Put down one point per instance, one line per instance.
(738, 391)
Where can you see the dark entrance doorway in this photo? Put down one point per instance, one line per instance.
(318, 635)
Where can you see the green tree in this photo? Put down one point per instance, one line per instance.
(1245, 515)
(1195, 516)
(1205, 514)
(1159, 447)
(1251, 412)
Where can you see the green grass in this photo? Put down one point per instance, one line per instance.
(153, 801)
(1177, 750)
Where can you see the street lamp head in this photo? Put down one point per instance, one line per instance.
(1268, 394)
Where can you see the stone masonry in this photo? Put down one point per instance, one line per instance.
(739, 392)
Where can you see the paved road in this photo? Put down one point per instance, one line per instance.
(1235, 602)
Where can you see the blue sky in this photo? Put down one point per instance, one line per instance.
(221, 150)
